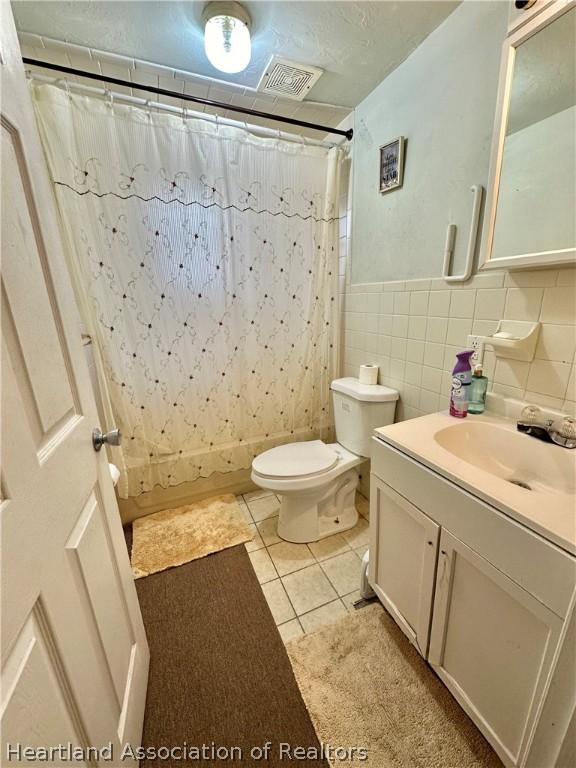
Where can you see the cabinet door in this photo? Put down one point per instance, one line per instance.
(492, 643)
(403, 550)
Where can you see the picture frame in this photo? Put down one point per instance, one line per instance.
(392, 165)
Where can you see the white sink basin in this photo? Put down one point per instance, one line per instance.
(511, 456)
(532, 481)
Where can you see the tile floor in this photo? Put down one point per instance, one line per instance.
(306, 585)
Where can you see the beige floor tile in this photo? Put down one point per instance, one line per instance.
(350, 599)
(363, 506)
(343, 572)
(329, 547)
(324, 615)
(290, 631)
(263, 566)
(359, 535)
(260, 509)
(256, 543)
(269, 531)
(278, 602)
(244, 509)
(361, 551)
(261, 493)
(288, 557)
(308, 589)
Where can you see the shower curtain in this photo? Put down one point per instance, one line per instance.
(205, 265)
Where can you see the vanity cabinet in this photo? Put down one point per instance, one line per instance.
(492, 644)
(405, 547)
(460, 579)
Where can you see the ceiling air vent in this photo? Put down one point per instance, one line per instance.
(288, 78)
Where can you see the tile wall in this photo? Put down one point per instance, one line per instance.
(413, 330)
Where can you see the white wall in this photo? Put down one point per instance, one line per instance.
(442, 99)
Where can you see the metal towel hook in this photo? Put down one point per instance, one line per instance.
(478, 191)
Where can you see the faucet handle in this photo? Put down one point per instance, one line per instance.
(567, 428)
(531, 414)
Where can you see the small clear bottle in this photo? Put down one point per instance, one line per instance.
(477, 391)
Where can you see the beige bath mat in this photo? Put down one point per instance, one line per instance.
(176, 536)
(366, 686)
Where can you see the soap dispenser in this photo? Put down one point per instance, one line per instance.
(478, 389)
(461, 380)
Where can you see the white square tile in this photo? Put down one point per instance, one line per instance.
(288, 557)
(413, 373)
(439, 304)
(326, 614)
(343, 572)
(539, 278)
(490, 304)
(512, 373)
(358, 535)
(524, 304)
(329, 547)
(256, 543)
(398, 348)
(414, 351)
(402, 303)
(278, 602)
(387, 303)
(417, 327)
(263, 566)
(268, 530)
(431, 379)
(436, 329)
(548, 378)
(429, 401)
(458, 331)
(462, 303)
(308, 589)
(290, 631)
(400, 326)
(434, 355)
(559, 306)
(556, 342)
(260, 509)
(419, 303)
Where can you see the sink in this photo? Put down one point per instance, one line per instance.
(515, 458)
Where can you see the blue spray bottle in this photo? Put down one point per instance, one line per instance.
(461, 380)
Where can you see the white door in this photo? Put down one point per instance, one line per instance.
(403, 550)
(74, 653)
(492, 643)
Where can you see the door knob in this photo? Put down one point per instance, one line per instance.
(114, 437)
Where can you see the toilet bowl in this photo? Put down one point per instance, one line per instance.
(317, 481)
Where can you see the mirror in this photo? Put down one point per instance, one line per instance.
(532, 213)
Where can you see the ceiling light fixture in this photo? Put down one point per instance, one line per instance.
(227, 36)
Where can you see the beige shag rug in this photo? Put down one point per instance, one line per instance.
(176, 536)
(366, 686)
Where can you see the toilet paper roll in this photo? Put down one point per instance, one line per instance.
(368, 374)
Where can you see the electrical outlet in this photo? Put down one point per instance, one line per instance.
(477, 344)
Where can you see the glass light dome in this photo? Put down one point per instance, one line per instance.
(227, 37)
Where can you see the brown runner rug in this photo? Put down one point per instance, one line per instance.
(219, 673)
(177, 536)
(366, 686)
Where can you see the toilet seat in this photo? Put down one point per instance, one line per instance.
(295, 460)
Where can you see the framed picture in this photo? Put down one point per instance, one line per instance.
(392, 165)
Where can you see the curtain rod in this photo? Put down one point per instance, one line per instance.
(186, 97)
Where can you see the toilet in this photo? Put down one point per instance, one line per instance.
(317, 481)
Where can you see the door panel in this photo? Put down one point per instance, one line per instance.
(492, 643)
(74, 653)
(403, 550)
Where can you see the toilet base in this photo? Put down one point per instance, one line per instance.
(322, 512)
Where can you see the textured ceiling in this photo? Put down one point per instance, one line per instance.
(356, 43)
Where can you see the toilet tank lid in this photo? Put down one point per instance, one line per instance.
(369, 393)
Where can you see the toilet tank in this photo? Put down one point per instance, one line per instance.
(358, 410)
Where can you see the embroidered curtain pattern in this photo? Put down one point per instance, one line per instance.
(206, 262)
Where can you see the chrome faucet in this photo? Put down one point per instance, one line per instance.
(558, 431)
